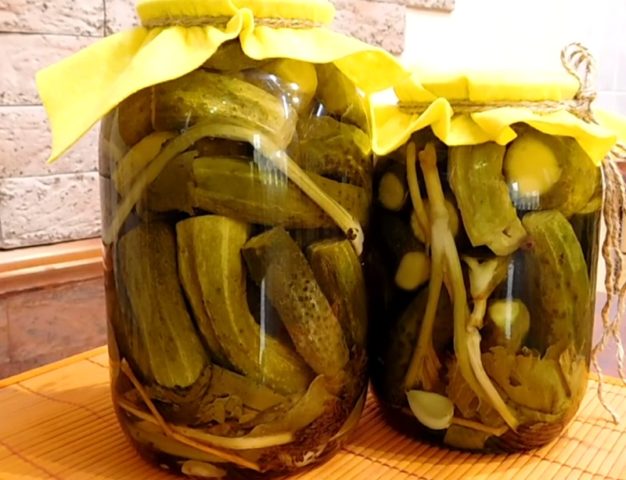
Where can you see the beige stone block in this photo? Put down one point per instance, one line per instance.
(22, 56)
(64, 319)
(377, 23)
(120, 15)
(73, 17)
(25, 146)
(50, 209)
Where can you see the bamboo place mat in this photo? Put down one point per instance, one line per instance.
(57, 422)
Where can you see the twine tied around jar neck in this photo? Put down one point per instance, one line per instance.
(222, 22)
(579, 63)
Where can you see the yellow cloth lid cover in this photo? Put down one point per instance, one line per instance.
(501, 95)
(80, 90)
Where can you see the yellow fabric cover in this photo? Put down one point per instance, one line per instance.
(392, 127)
(80, 90)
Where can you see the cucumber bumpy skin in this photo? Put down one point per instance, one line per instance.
(202, 96)
(334, 149)
(558, 284)
(274, 259)
(240, 189)
(217, 243)
(338, 271)
(489, 217)
(174, 356)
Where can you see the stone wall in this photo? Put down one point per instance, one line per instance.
(41, 203)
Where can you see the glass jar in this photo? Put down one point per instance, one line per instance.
(234, 199)
(485, 259)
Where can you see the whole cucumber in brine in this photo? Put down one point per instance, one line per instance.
(215, 243)
(246, 191)
(275, 259)
(559, 291)
(334, 149)
(174, 356)
(338, 271)
(202, 96)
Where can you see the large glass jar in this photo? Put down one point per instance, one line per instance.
(485, 259)
(234, 199)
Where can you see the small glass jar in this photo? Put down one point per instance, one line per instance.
(236, 301)
(485, 259)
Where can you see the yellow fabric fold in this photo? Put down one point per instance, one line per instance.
(80, 90)
(393, 125)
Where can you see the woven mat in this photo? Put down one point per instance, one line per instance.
(57, 422)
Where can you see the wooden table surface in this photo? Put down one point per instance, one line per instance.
(57, 422)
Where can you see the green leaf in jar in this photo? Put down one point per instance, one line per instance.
(533, 385)
(312, 405)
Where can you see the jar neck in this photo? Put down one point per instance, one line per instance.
(222, 22)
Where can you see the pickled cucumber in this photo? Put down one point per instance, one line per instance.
(202, 96)
(558, 284)
(254, 395)
(578, 174)
(174, 355)
(242, 190)
(402, 340)
(134, 116)
(340, 97)
(216, 243)
(171, 190)
(275, 260)
(191, 285)
(137, 159)
(338, 272)
(334, 149)
(489, 217)
(299, 75)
